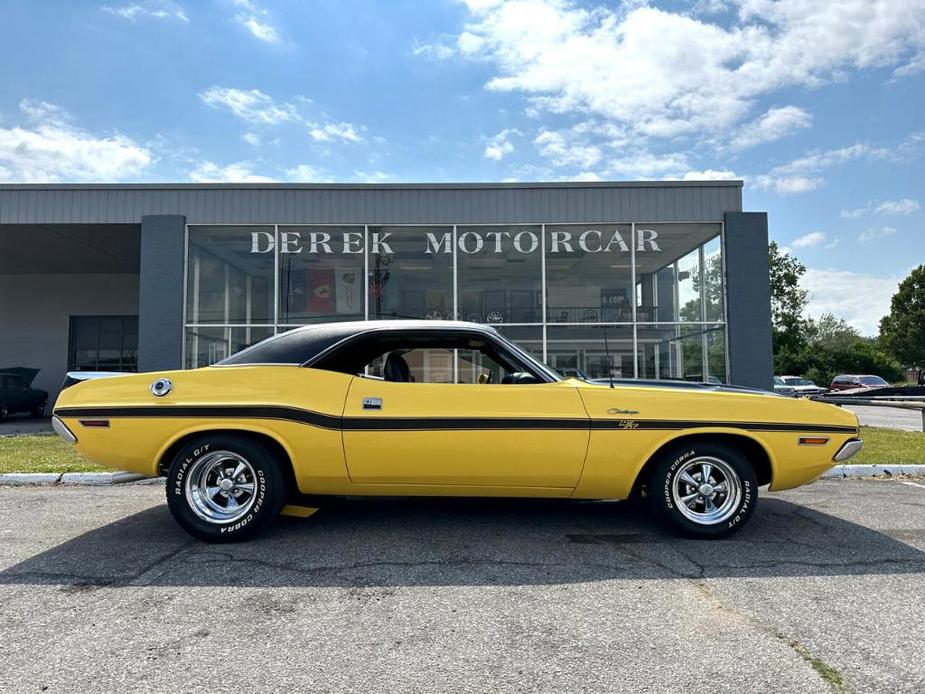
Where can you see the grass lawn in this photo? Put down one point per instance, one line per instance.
(41, 453)
(48, 453)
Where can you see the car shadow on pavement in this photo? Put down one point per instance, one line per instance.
(439, 542)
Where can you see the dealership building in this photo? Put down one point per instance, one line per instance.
(670, 279)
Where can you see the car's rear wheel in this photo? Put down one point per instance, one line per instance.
(38, 411)
(703, 489)
(224, 488)
(4, 411)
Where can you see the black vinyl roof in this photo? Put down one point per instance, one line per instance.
(302, 345)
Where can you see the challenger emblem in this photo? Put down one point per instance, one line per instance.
(617, 410)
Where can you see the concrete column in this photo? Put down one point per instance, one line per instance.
(160, 293)
(748, 296)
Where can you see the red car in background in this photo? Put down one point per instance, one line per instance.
(849, 382)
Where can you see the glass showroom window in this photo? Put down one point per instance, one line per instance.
(500, 274)
(580, 351)
(410, 272)
(665, 320)
(230, 275)
(589, 273)
(321, 274)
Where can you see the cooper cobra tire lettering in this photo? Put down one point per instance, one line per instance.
(269, 488)
(663, 475)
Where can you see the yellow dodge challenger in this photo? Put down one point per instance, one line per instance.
(440, 409)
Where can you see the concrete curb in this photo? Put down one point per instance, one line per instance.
(854, 471)
(94, 479)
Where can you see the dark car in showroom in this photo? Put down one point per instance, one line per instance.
(18, 395)
(852, 382)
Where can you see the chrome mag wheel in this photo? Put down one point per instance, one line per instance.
(706, 490)
(221, 487)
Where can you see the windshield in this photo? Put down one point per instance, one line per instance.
(797, 381)
(778, 381)
(873, 381)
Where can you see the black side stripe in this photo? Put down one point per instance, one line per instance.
(326, 421)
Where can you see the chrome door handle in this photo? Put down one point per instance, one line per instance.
(372, 403)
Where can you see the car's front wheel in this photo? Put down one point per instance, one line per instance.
(703, 489)
(224, 488)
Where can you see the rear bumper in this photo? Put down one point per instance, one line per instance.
(62, 430)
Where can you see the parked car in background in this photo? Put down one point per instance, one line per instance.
(16, 395)
(781, 388)
(851, 382)
(803, 386)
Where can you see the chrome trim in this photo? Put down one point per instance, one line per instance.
(221, 487)
(848, 450)
(61, 430)
(706, 490)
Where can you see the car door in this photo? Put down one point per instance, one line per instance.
(452, 435)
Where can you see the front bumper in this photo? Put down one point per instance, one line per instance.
(848, 450)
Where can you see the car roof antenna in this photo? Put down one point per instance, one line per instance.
(607, 352)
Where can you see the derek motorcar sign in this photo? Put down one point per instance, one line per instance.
(587, 241)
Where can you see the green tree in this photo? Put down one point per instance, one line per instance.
(902, 331)
(788, 301)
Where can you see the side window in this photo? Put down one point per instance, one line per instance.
(438, 365)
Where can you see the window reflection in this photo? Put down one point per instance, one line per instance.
(237, 293)
(500, 271)
(321, 274)
(411, 272)
(588, 273)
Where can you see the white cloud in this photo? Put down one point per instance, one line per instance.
(804, 174)
(886, 208)
(373, 177)
(306, 173)
(855, 213)
(664, 73)
(440, 51)
(565, 151)
(772, 125)
(325, 132)
(49, 148)
(148, 9)
(877, 233)
(499, 145)
(709, 175)
(913, 67)
(256, 20)
(252, 139)
(252, 105)
(240, 172)
(859, 298)
(814, 238)
(903, 206)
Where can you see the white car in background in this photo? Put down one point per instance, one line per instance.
(782, 388)
(801, 386)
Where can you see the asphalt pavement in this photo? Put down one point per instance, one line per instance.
(889, 417)
(822, 591)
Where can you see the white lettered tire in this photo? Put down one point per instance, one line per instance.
(703, 489)
(224, 487)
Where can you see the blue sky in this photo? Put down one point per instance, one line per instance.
(817, 106)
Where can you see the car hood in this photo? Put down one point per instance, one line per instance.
(27, 375)
(684, 385)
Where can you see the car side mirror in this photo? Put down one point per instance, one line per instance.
(522, 377)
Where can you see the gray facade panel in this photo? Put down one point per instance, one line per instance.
(374, 204)
(160, 293)
(748, 293)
